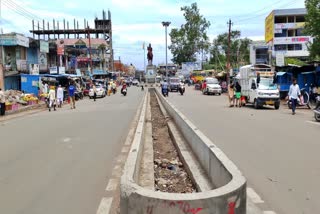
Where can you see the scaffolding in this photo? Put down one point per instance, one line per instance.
(102, 29)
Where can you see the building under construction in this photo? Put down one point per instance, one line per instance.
(73, 47)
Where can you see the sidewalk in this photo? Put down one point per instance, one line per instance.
(22, 111)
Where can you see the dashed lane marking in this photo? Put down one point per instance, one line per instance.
(112, 185)
(254, 196)
(104, 206)
(314, 123)
(268, 212)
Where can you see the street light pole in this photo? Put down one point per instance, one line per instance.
(166, 25)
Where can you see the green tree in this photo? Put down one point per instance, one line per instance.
(239, 50)
(191, 38)
(312, 27)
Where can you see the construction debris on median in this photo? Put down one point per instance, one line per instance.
(170, 175)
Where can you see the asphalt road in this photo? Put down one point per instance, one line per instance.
(60, 162)
(278, 153)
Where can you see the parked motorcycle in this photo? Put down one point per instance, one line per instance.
(306, 100)
(317, 109)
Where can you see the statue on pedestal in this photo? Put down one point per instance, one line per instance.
(150, 55)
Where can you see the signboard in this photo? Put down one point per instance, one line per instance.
(21, 65)
(22, 41)
(13, 40)
(8, 40)
(62, 70)
(269, 28)
(292, 40)
(44, 46)
(34, 69)
(53, 70)
(280, 59)
(189, 67)
(289, 25)
(43, 61)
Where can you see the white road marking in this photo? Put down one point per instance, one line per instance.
(268, 212)
(254, 196)
(112, 185)
(66, 140)
(315, 123)
(105, 206)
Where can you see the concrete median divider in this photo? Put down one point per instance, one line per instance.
(229, 196)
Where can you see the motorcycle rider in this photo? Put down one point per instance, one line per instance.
(165, 88)
(124, 86)
(181, 86)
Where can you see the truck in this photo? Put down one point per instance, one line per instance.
(258, 85)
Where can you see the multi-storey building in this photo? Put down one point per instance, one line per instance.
(284, 33)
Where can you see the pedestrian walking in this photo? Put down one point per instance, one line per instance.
(2, 103)
(231, 94)
(60, 96)
(294, 94)
(94, 88)
(238, 94)
(52, 98)
(71, 92)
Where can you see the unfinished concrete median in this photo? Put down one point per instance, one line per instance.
(226, 195)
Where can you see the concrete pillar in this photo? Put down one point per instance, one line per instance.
(2, 77)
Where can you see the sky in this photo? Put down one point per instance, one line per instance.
(137, 21)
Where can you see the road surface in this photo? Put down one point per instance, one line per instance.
(60, 162)
(278, 153)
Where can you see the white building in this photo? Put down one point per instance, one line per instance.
(284, 33)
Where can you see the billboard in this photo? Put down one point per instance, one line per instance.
(269, 28)
(189, 67)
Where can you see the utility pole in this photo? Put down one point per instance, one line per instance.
(1, 58)
(166, 25)
(88, 29)
(229, 52)
(144, 57)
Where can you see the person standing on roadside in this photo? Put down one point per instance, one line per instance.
(71, 91)
(2, 103)
(294, 93)
(238, 94)
(231, 94)
(94, 88)
(60, 96)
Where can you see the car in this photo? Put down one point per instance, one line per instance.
(212, 87)
(135, 82)
(101, 91)
(174, 83)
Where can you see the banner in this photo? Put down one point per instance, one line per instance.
(280, 59)
(269, 28)
(34, 69)
(44, 46)
(43, 61)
